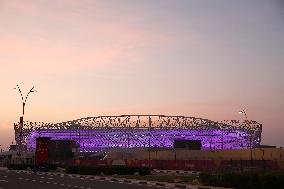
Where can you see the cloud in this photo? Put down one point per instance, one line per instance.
(63, 41)
(45, 57)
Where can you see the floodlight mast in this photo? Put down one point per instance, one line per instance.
(251, 136)
(24, 100)
(245, 114)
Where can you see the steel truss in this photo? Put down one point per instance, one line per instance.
(130, 131)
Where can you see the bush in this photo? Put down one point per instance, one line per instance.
(52, 166)
(20, 166)
(245, 180)
(25, 166)
(107, 170)
(72, 170)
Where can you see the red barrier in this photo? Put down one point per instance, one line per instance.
(249, 164)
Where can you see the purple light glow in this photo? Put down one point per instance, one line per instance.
(134, 131)
(94, 140)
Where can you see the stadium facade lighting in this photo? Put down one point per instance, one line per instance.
(104, 132)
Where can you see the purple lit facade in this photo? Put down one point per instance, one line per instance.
(104, 132)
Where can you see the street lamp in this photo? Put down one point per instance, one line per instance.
(24, 100)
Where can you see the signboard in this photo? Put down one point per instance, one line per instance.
(41, 155)
(188, 144)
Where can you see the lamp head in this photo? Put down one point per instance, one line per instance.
(32, 90)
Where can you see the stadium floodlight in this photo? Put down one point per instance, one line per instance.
(244, 112)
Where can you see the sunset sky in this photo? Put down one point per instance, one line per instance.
(206, 59)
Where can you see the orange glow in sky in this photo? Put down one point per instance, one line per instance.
(112, 57)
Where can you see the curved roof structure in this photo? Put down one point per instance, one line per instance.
(103, 131)
(146, 121)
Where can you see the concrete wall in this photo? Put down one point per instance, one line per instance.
(179, 154)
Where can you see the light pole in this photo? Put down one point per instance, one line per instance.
(149, 141)
(251, 142)
(24, 100)
(245, 114)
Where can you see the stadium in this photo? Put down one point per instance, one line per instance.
(94, 134)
